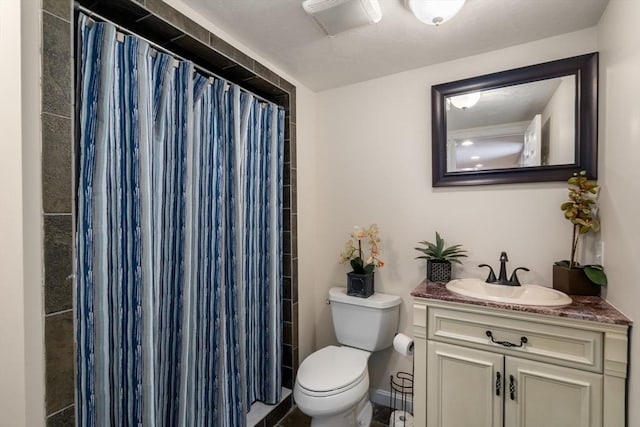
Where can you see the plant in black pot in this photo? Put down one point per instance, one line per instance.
(439, 258)
(569, 276)
(360, 281)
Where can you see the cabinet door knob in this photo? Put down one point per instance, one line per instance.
(523, 341)
(512, 387)
(498, 383)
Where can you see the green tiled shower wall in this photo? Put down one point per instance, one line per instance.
(158, 22)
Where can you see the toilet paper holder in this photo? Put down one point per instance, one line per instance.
(401, 399)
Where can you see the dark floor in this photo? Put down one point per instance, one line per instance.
(295, 418)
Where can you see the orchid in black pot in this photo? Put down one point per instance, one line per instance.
(569, 275)
(360, 281)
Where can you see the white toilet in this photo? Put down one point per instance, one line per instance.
(332, 385)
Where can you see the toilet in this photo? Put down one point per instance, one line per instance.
(332, 385)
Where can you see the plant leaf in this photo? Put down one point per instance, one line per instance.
(439, 244)
(595, 274)
(356, 265)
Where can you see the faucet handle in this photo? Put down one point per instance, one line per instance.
(514, 278)
(492, 275)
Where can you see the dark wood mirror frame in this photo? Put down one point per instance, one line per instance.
(584, 68)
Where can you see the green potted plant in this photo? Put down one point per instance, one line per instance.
(568, 275)
(360, 281)
(439, 258)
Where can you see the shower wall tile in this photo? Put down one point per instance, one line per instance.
(58, 263)
(231, 52)
(287, 131)
(286, 265)
(294, 191)
(56, 164)
(59, 360)
(286, 310)
(124, 12)
(286, 196)
(294, 236)
(279, 412)
(64, 418)
(176, 18)
(290, 333)
(56, 65)
(153, 28)
(287, 333)
(287, 377)
(200, 53)
(267, 74)
(292, 147)
(286, 287)
(294, 319)
(263, 87)
(286, 175)
(286, 242)
(60, 8)
(287, 86)
(294, 280)
(287, 355)
(286, 219)
(296, 360)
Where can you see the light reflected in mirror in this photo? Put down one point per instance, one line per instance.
(519, 126)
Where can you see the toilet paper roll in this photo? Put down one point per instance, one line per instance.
(401, 419)
(403, 344)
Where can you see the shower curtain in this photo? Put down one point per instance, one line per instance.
(178, 296)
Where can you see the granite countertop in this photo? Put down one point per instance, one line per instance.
(594, 309)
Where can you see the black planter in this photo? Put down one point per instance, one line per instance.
(360, 285)
(573, 281)
(438, 270)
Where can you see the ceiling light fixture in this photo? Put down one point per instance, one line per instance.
(434, 12)
(475, 157)
(465, 101)
(467, 143)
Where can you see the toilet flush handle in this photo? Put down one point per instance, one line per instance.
(327, 301)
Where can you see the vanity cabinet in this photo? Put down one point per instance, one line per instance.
(488, 366)
(467, 387)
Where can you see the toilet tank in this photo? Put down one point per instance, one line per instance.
(365, 323)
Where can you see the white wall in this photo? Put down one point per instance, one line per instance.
(373, 157)
(21, 331)
(619, 39)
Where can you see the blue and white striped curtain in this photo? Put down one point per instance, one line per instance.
(178, 298)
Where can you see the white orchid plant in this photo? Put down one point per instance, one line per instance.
(354, 254)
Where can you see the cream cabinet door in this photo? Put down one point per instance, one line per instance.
(465, 387)
(543, 395)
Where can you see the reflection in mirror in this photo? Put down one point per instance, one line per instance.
(531, 124)
(526, 125)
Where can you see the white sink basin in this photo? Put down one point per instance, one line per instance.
(523, 295)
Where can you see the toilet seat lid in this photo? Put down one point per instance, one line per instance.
(333, 368)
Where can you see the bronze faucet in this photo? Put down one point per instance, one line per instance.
(502, 276)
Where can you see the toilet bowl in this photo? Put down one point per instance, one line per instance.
(332, 384)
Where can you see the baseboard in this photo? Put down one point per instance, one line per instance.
(383, 398)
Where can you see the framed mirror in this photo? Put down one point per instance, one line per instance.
(530, 124)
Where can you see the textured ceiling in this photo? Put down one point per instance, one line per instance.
(284, 34)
